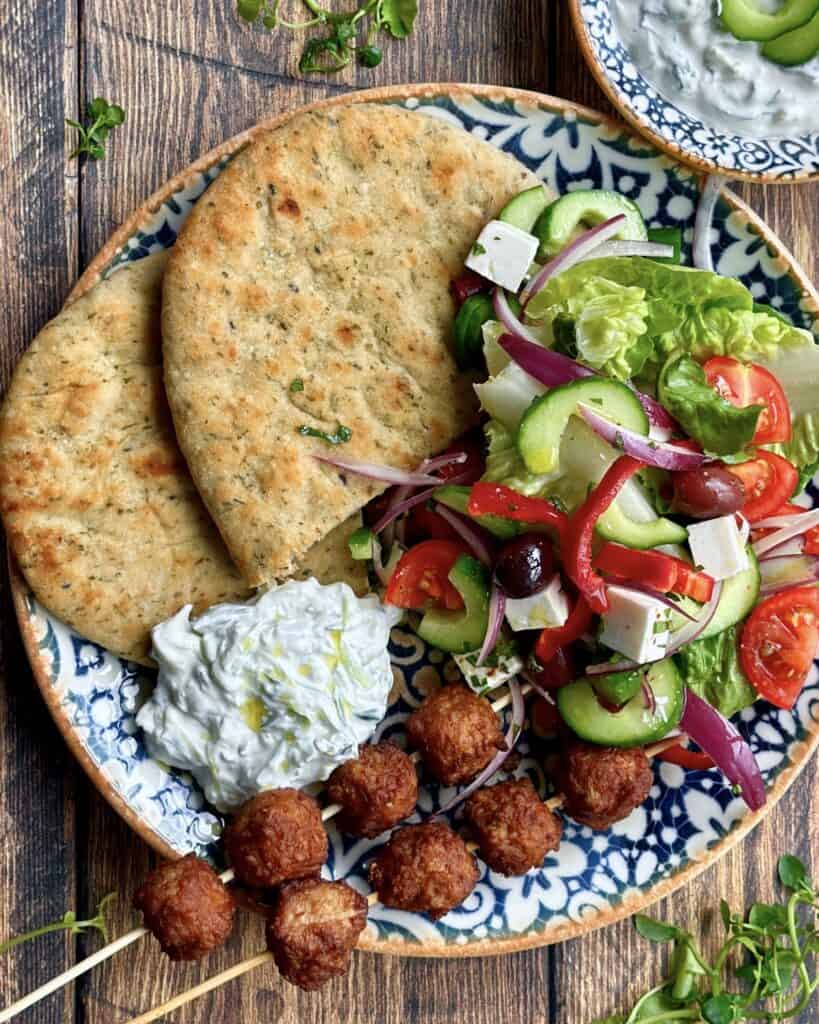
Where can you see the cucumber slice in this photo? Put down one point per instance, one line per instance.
(563, 218)
(745, 20)
(456, 497)
(361, 543)
(739, 595)
(460, 632)
(795, 47)
(525, 208)
(543, 423)
(472, 315)
(634, 724)
(615, 525)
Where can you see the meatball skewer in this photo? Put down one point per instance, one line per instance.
(101, 955)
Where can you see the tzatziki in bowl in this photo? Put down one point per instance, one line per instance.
(729, 86)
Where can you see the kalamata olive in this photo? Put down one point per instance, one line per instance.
(707, 492)
(525, 565)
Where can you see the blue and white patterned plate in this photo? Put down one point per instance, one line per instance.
(774, 160)
(594, 877)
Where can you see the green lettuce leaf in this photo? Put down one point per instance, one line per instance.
(704, 414)
(699, 312)
(505, 466)
(711, 668)
(803, 447)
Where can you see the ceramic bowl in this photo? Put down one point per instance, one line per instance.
(595, 877)
(781, 160)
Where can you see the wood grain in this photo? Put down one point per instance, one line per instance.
(189, 75)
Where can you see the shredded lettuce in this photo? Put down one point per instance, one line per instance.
(719, 426)
(803, 447)
(696, 311)
(711, 668)
(505, 466)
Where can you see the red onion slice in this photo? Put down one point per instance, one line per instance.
(476, 538)
(503, 311)
(649, 699)
(394, 510)
(374, 471)
(541, 691)
(704, 219)
(603, 668)
(801, 524)
(378, 564)
(576, 251)
(511, 738)
(653, 453)
(657, 415)
(778, 521)
(497, 608)
(626, 247)
(721, 740)
(691, 630)
(658, 595)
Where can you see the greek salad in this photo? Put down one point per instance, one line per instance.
(628, 528)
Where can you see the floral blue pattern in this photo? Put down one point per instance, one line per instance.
(686, 813)
(782, 159)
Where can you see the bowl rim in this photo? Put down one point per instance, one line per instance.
(645, 128)
(799, 753)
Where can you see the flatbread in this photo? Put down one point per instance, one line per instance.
(310, 288)
(100, 510)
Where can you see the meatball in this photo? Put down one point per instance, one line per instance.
(456, 732)
(376, 790)
(187, 907)
(426, 868)
(276, 836)
(513, 827)
(313, 929)
(602, 785)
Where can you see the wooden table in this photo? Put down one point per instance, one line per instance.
(189, 75)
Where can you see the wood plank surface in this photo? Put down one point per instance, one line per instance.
(189, 75)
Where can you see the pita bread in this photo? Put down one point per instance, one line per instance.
(99, 508)
(310, 288)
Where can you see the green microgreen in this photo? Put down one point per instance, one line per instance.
(69, 923)
(101, 116)
(762, 971)
(343, 35)
(341, 436)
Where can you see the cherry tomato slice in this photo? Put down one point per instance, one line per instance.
(545, 719)
(686, 758)
(745, 384)
(420, 578)
(769, 481)
(778, 644)
(424, 523)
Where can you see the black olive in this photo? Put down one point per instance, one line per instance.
(525, 565)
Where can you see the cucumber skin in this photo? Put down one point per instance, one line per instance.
(524, 209)
(547, 411)
(553, 237)
(615, 525)
(737, 16)
(461, 632)
(580, 710)
(795, 47)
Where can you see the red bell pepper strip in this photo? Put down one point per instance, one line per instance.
(653, 569)
(551, 640)
(577, 545)
(498, 500)
(685, 758)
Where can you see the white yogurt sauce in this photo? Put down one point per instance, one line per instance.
(681, 48)
(276, 692)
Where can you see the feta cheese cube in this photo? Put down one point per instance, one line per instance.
(544, 610)
(500, 666)
(503, 253)
(717, 547)
(636, 625)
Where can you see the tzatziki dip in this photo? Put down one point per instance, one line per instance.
(683, 50)
(275, 692)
